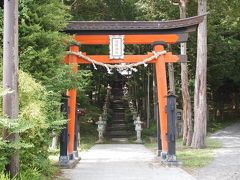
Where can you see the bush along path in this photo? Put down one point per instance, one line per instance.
(227, 161)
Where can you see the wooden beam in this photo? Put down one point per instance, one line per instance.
(169, 57)
(132, 39)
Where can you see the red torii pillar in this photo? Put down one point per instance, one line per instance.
(72, 93)
(162, 98)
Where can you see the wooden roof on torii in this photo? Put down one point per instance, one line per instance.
(135, 32)
(181, 27)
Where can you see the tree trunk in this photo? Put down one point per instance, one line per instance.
(200, 94)
(172, 87)
(10, 76)
(187, 108)
(99, 91)
(155, 113)
(171, 78)
(148, 97)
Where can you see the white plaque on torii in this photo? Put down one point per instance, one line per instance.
(116, 46)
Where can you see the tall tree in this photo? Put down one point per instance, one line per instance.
(10, 76)
(187, 107)
(200, 95)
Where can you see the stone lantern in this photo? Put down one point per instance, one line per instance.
(101, 128)
(138, 129)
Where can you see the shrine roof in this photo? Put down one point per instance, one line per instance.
(134, 27)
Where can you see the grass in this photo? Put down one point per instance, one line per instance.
(88, 136)
(193, 158)
(197, 158)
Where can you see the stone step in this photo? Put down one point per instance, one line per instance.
(118, 106)
(117, 101)
(122, 111)
(116, 128)
(109, 135)
(118, 125)
(118, 116)
(117, 91)
(120, 140)
(119, 136)
(118, 110)
(113, 106)
(120, 133)
(118, 121)
(119, 113)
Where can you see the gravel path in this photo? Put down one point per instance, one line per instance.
(122, 162)
(226, 165)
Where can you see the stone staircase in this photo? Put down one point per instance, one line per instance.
(118, 129)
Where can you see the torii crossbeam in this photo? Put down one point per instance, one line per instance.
(156, 33)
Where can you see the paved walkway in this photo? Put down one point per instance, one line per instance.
(122, 162)
(226, 165)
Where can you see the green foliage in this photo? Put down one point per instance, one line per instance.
(38, 108)
(32, 173)
(35, 123)
(156, 10)
(42, 43)
(104, 10)
(4, 176)
(88, 135)
(152, 131)
(224, 25)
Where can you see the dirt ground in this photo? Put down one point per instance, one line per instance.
(226, 165)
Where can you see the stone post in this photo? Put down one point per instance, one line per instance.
(101, 128)
(138, 129)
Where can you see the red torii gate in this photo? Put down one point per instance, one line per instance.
(156, 33)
